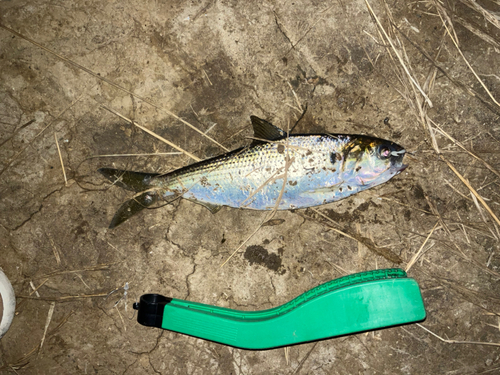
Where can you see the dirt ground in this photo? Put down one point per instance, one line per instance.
(68, 68)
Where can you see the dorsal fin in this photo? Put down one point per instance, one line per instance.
(265, 130)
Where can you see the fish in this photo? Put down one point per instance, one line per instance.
(277, 171)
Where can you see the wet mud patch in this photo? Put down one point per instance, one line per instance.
(256, 254)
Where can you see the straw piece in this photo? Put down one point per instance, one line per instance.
(456, 341)
(455, 42)
(47, 322)
(473, 191)
(428, 101)
(109, 82)
(417, 255)
(153, 134)
(62, 166)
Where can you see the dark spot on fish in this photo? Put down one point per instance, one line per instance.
(257, 254)
(281, 149)
(292, 183)
(268, 169)
(311, 160)
(349, 188)
(341, 189)
(309, 152)
(333, 157)
(358, 168)
(223, 239)
(339, 157)
(204, 182)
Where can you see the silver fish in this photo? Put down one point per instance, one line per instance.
(275, 171)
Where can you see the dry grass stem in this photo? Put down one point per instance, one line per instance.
(62, 164)
(55, 251)
(442, 13)
(38, 287)
(410, 77)
(296, 97)
(109, 82)
(99, 267)
(330, 220)
(34, 289)
(152, 133)
(456, 190)
(488, 16)
(47, 322)
(463, 148)
(473, 191)
(208, 79)
(417, 255)
(121, 318)
(382, 251)
(127, 155)
(28, 144)
(487, 38)
(21, 361)
(66, 298)
(457, 341)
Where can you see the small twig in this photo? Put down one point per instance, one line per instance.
(56, 252)
(34, 289)
(47, 322)
(417, 255)
(99, 267)
(455, 42)
(60, 158)
(38, 287)
(121, 317)
(457, 341)
(485, 205)
(463, 148)
(65, 298)
(295, 96)
(428, 101)
(109, 82)
(127, 155)
(152, 133)
(206, 75)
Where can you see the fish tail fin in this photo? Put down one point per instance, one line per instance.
(135, 181)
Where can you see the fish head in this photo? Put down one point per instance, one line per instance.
(369, 161)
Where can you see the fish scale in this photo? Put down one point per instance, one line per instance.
(318, 168)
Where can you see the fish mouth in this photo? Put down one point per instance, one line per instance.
(398, 169)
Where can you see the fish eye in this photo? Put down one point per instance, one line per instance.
(385, 152)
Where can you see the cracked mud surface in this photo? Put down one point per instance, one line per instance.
(213, 64)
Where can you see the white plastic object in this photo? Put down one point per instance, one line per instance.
(9, 303)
